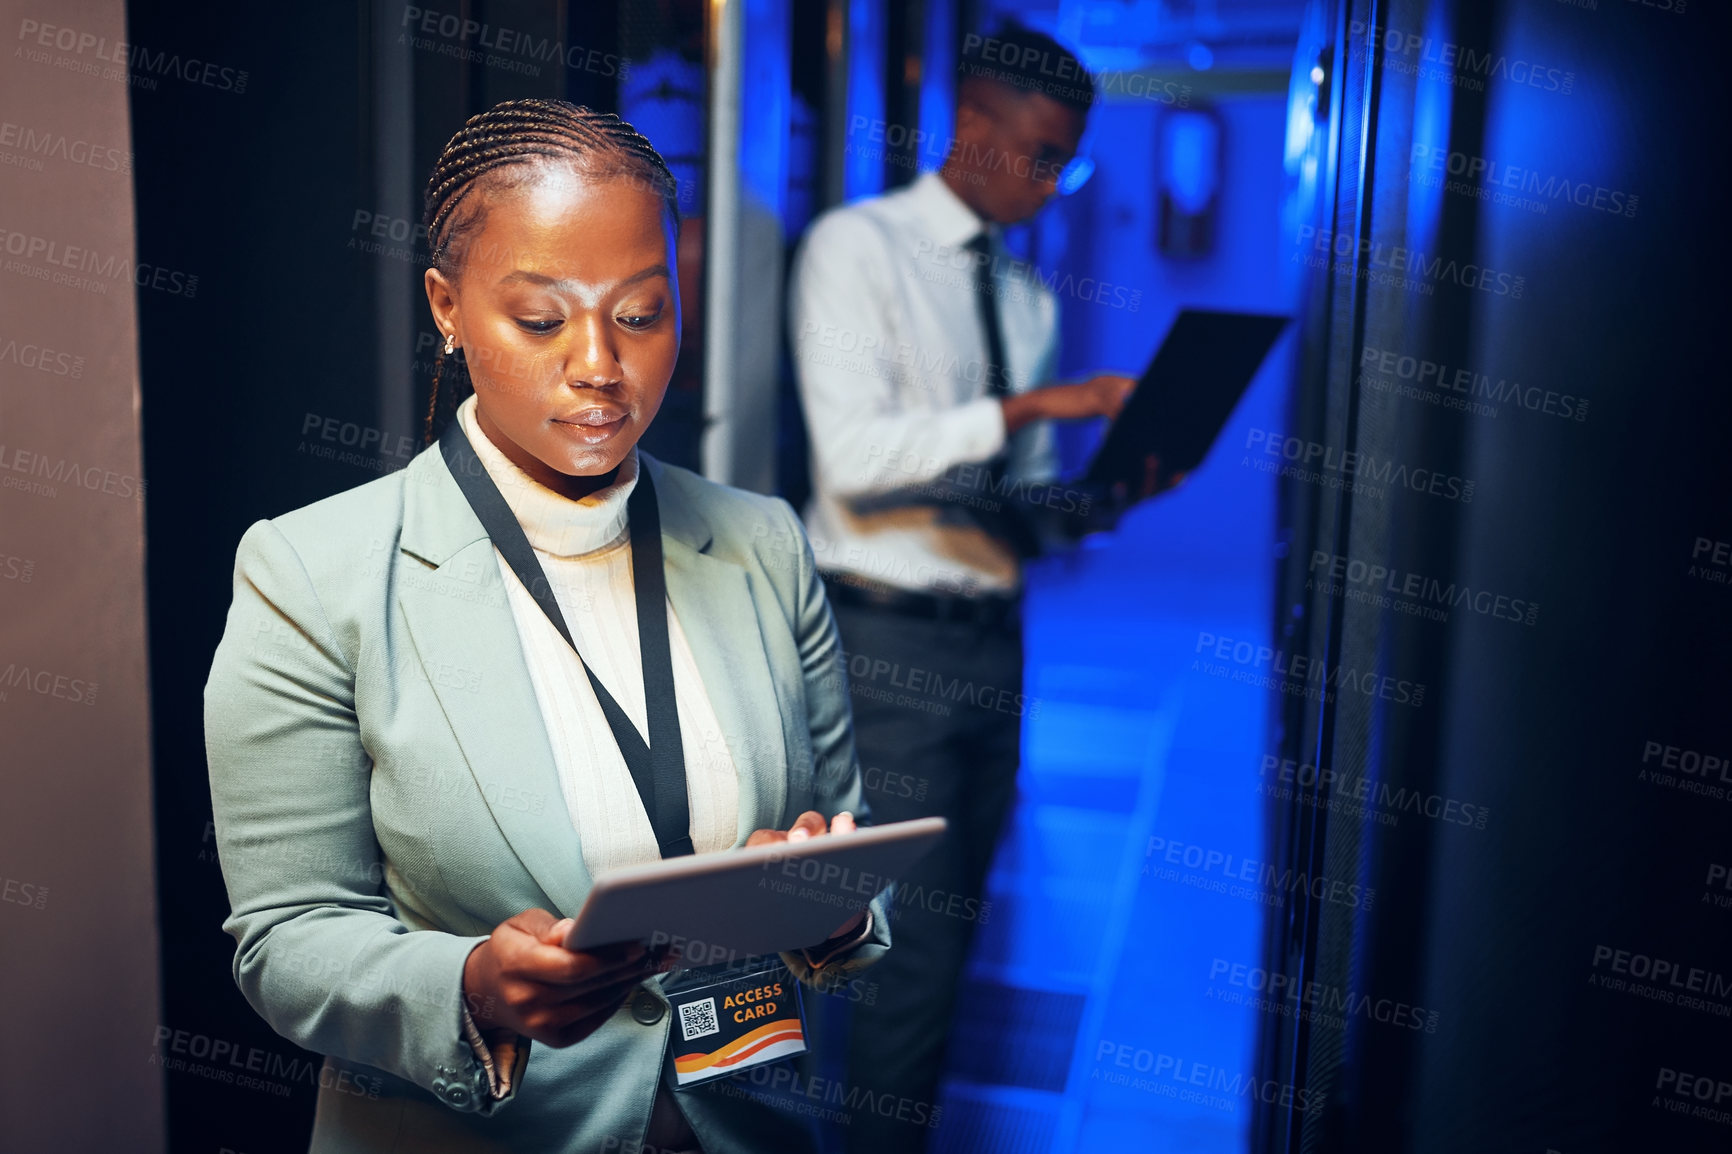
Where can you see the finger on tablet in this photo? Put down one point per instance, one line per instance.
(554, 933)
(842, 823)
(602, 982)
(557, 966)
(808, 824)
(583, 968)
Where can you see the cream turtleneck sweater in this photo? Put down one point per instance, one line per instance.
(585, 550)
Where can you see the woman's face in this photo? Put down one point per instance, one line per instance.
(568, 314)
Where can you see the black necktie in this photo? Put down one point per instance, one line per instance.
(994, 372)
(1005, 521)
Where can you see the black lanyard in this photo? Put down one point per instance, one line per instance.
(659, 768)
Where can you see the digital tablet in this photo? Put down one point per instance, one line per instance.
(744, 902)
(1183, 399)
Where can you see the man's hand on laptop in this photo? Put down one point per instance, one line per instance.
(1103, 516)
(1124, 494)
(1102, 395)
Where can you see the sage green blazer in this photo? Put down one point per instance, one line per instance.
(385, 794)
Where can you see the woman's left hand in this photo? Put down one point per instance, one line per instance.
(809, 825)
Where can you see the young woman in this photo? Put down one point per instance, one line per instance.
(415, 774)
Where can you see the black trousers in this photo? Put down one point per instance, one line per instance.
(937, 722)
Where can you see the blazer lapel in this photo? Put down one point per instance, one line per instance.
(458, 613)
(459, 617)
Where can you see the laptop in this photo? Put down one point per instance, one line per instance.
(1183, 399)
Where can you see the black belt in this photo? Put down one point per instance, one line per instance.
(986, 609)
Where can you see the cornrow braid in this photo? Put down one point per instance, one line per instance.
(520, 133)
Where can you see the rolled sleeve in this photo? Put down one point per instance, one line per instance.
(823, 966)
(503, 1057)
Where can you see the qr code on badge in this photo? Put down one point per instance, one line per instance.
(698, 1020)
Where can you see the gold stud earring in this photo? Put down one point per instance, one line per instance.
(450, 343)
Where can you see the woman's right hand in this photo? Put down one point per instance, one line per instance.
(522, 978)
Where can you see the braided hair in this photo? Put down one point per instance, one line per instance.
(499, 149)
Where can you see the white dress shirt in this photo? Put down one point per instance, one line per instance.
(585, 550)
(889, 354)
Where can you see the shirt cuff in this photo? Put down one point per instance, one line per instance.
(819, 956)
(992, 436)
(503, 1058)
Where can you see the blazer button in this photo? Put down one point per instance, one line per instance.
(647, 1008)
(458, 1096)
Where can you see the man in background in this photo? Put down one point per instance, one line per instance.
(924, 354)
